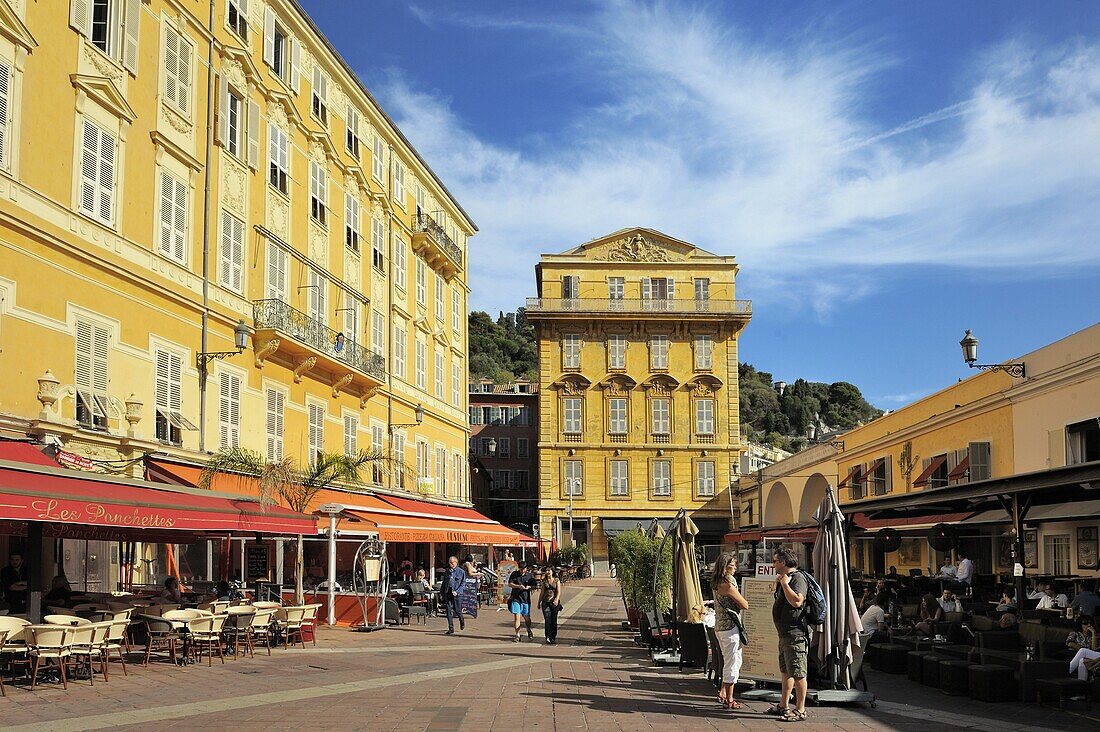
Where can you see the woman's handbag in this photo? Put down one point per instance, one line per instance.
(735, 617)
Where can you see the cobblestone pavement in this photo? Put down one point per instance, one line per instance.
(415, 678)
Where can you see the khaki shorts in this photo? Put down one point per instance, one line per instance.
(793, 648)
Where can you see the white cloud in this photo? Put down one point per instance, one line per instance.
(767, 153)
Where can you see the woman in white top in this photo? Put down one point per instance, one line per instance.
(728, 604)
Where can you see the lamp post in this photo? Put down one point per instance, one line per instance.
(574, 484)
(969, 345)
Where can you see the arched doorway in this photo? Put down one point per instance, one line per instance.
(777, 507)
(812, 495)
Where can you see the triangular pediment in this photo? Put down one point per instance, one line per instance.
(106, 94)
(12, 28)
(238, 68)
(637, 245)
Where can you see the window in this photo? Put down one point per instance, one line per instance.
(659, 415)
(350, 311)
(1056, 554)
(571, 351)
(231, 253)
(278, 159)
(980, 461)
(177, 72)
(704, 348)
(570, 287)
(97, 173)
(281, 52)
(475, 415)
(377, 446)
(938, 478)
(318, 192)
(878, 477)
(504, 447)
(399, 247)
(167, 394)
(1083, 442)
(316, 433)
(276, 404)
(421, 362)
(456, 311)
(704, 478)
(704, 416)
(421, 283)
(319, 98)
(658, 352)
(619, 471)
(571, 414)
(440, 300)
(574, 478)
(421, 199)
(616, 352)
(277, 263)
(662, 477)
(233, 123)
(112, 26)
(399, 459)
(702, 289)
(318, 294)
(439, 373)
(423, 461)
(229, 411)
(485, 446)
(616, 412)
(378, 162)
(658, 291)
(377, 244)
(351, 222)
(399, 350)
(236, 17)
(173, 217)
(522, 448)
(399, 184)
(91, 376)
(459, 464)
(378, 332)
(616, 288)
(456, 384)
(351, 139)
(351, 435)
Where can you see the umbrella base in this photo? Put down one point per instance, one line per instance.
(666, 658)
(843, 696)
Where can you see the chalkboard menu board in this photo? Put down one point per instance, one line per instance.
(761, 655)
(256, 562)
(467, 598)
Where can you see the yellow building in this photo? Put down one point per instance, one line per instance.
(638, 371)
(170, 168)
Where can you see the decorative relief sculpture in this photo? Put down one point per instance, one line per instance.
(637, 248)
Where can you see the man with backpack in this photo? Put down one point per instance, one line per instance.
(791, 592)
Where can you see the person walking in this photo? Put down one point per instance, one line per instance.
(728, 604)
(453, 581)
(521, 581)
(550, 604)
(790, 589)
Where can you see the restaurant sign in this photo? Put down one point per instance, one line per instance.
(53, 509)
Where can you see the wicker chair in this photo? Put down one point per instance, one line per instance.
(238, 622)
(206, 632)
(50, 642)
(161, 636)
(289, 621)
(261, 628)
(310, 620)
(87, 648)
(14, 645)
(117, 640)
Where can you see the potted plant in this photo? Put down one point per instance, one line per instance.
(635, 556)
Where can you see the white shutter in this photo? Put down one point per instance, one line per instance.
(231, 255)
(274, 425)
(671, 288)
(253, 135)
(269, 37)
(647, 289)
(295, 65)
(172, 43)
(167, 206)
(83, 374)
(80, 17)
(221, 129)
(131, 35)
(224, 411)
(276, 273)
(106, 177)
(163, 383)
(179, 250)
(5, 121)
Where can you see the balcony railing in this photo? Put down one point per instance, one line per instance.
(280, 316)
(738, 308)
(428, 225)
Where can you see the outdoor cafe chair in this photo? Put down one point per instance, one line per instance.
(161, 636)
(238, 622)
(14, 645)
(116, 641)
(50, 642)
(309, 620)
(87, 648)
(206, 632)
(289, 621)
(261, 629)
(62, 619)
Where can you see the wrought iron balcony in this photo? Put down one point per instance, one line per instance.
(740, 309)
(319, 340)
(430, 238)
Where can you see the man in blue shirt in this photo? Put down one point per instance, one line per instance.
(453, 582)
(1088, 602)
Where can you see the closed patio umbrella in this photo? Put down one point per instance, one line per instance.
(689, 596)
(835, 643)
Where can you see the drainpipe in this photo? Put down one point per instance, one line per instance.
(332, 569)
(388, 248)
(210, 121)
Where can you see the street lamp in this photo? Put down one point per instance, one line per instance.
(492, 446)
(240, 340)
(418, 415)
(969, 345)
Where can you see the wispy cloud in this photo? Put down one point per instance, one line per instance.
(768, 153)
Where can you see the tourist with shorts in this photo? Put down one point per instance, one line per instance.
(791, 590)
(522, 582)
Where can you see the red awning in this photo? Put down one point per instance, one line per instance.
(960, 470)
(874, 465)
(55, 495)
(24, 452)
(861, 521)
(853, 475)
(800, 534)
(426, 508)
(738, 537)
(926, 477)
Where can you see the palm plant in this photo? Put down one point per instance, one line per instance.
(295, 485)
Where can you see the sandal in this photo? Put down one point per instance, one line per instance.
(722, 700)
(793, 715)
(734, 704)
(777, 710)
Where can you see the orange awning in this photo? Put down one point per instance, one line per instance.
(399, 526)
(926, 477)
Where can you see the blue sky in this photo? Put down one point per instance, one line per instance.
(888, 174)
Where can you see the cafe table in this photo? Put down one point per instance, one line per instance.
(1028, 670)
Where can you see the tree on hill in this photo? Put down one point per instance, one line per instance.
(503, 350)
